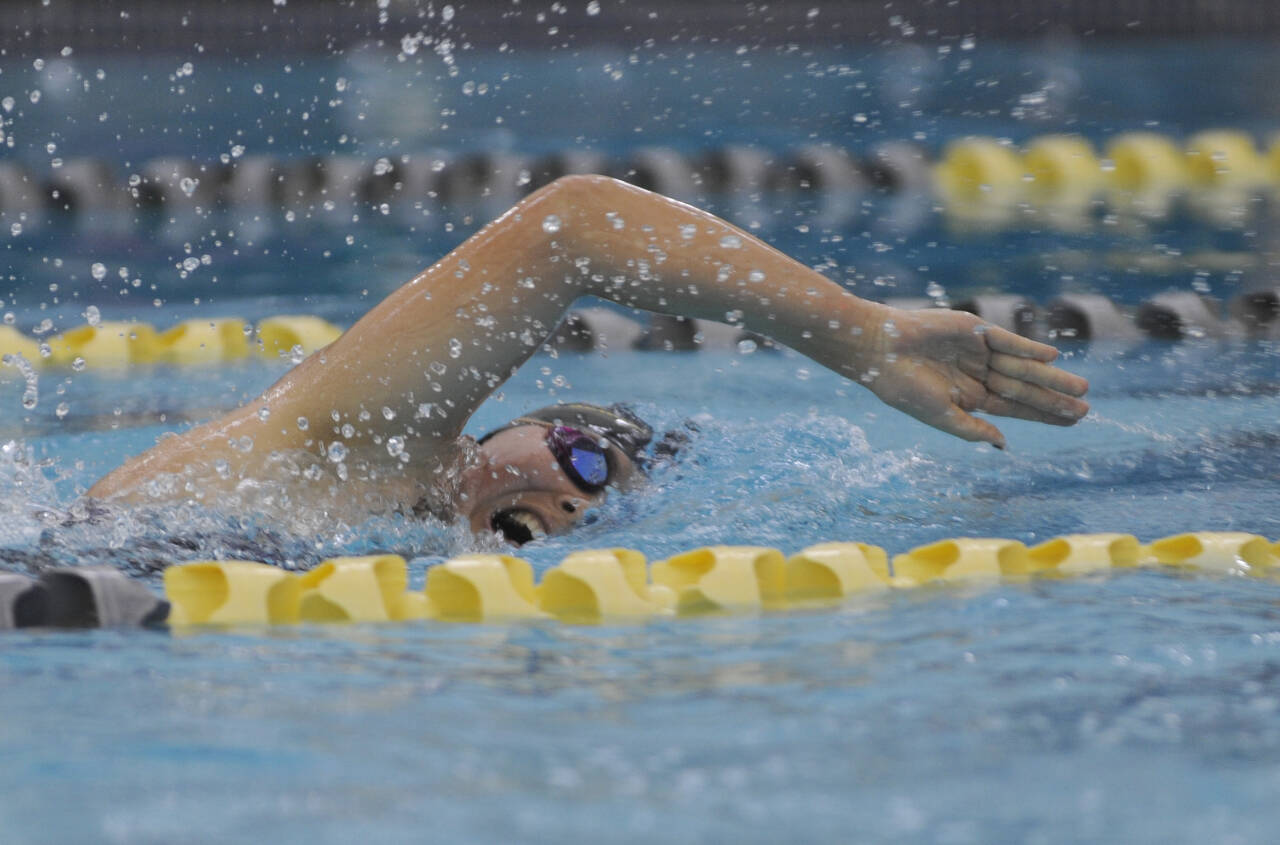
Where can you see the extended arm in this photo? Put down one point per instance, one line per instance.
(420, 362)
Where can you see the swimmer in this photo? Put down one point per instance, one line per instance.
(373, 422)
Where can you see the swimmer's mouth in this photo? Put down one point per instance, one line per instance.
(518, 526)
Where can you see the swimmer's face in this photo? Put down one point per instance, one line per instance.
(521, 490)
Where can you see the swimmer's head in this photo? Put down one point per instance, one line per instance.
(541, 472)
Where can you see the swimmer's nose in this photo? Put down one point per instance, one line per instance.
(572, 505)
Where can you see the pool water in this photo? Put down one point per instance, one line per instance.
(1134, 707)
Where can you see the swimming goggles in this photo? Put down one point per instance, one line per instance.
(581, 457)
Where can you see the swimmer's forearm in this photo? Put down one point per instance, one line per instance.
(648, 251)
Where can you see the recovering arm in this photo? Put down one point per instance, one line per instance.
(419, 363)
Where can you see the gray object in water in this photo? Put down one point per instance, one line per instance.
(99, 597)
(23, 602)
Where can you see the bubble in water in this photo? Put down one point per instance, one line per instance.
(15, 229)
(348, 430)
(31, 394)
(802, 374)
(688, 231)
(337, 452)
(62, 410)
(746, 346)
(731, 242)
(93, 316)
(303, 423)
(264, 413)
(455, 347)
(98, 270)
(8, 103)
(77, 364)
(387, 413)
(551, 224)
(593, 8)
(190, 263)
(395, 446)
(222, 468)
(35, 96)
(188, 185)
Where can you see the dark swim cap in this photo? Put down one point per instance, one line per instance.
(616, 422)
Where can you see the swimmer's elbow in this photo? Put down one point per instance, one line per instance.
(584, 190)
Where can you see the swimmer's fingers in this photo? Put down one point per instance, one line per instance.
(959, 422)
(1038, 373)
(1002, 407)
(1003, 340)
(1067, 409)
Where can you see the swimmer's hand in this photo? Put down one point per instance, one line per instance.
(943, 366)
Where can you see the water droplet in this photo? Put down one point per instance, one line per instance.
(688, 231)
(297, 353)
(593, 8)
(93, 316)
(337, 452)
(264, 413)
(222, 468)
(802, 374)
(746, 346)
(755, 276)
(77, 364)
(731, 242)
(62, 410)
(551, 224)
(303, 423)
(891, 328)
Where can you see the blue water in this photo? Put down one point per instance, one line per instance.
(1137, 707)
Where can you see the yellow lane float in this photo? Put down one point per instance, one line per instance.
(1077, 554)
(203, 342)
(483, 588)
(1225, 158)
(231, 592)
(107, 344)
(833, 571)
(1219, 551)
(604, 585)
(360, 589)
(966, 557)
(1062, 165)
(1144, 162)
(594, 585)
(722, 578)
(979, 170)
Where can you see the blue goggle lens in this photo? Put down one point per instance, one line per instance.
(590, 465)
